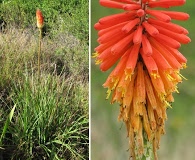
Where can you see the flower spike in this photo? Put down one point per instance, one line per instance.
(143, 43)
(40, 19)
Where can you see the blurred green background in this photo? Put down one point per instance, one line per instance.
(108, 135)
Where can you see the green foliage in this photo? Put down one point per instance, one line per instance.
(73, 15)
(48, 122)
(7, 122)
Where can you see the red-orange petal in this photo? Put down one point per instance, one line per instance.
(170, 26)
(113, 41)
(177, 15)
(159, 15)
(131, 7)
(180, 58)
(166, 3)
(150, 29)
(111, 4)
(137, 38)
(110, 35)
(147, 48)
(129, 26)
(123, 43)
(132, 60)
(105, 54)
(109, 62)
(116, 39)
(117, 18)
(111, 59)
(168, 56)
(166, 40)
(126, 1)
(160, 61)
(110, 29)
(182, 38)
(150, 64)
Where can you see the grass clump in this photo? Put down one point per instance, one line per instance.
(48, 123)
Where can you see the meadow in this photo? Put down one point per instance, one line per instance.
(44, 118)
(110, 142)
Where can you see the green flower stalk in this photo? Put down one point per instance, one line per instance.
(40, 24)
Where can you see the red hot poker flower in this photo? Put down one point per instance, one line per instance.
(40, 19)
(145, 43)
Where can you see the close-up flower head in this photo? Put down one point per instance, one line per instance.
(141, 44)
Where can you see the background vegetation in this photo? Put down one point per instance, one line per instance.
(46, 118)
(110, 141)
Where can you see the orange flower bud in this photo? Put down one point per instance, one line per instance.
(177, 15)
(40, 19)
(159, 15)
(166, 3)
(111, 4)
(140, 12)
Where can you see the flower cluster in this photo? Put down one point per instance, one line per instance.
(40, 19)
(144, 43)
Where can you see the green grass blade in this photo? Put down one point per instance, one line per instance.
(7, 122)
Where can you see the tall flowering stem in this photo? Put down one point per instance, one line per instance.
(40, 24)
(145, 45)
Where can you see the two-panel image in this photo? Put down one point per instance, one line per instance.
(97, 79)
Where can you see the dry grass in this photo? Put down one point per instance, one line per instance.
(62, 53)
